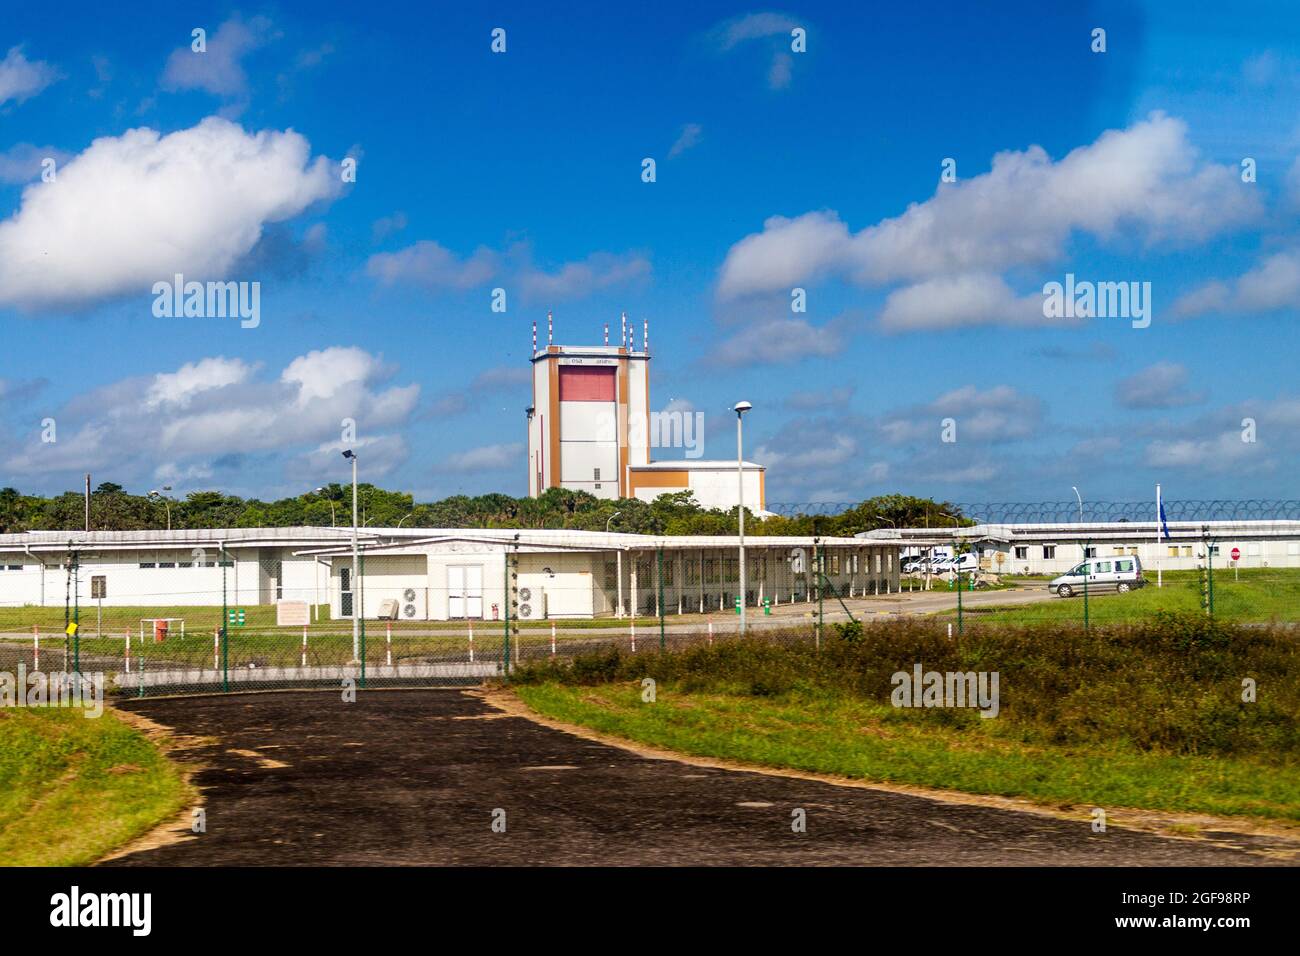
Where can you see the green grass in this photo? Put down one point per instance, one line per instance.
(73, 788)
(1149, 714)
(841, 735)
(203, 619)
(1260, 595)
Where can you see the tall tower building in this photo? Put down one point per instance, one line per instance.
(586, 426)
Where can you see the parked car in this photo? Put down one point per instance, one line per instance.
(1100, 574)
(942, 565)
(915, 566)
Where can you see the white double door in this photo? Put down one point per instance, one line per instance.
(465, 591)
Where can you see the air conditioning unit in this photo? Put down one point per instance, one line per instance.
(532, 604)
(412, 605)
(388, 609)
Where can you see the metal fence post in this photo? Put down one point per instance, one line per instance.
(225, 625)
(361, 612)
(505, 601)
(662, 640)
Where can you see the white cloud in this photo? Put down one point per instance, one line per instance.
(780, 342)
(189, 419)
(954, 301)
(485, 458)
(135, 209)
(21, 78)
(598, 271)
(194, 378)
(1162, 385)
(772, 29)
(1220, 453)
(21, 163)
(1142, 183)
(218, 70)
(429, 264)
(1273, 284)
(689, 136)
(999, 413)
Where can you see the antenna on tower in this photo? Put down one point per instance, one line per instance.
(534, 336)
(645, 336)
(624, 340)
(550, 328)
(606, 333)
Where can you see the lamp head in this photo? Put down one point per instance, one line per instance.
(741, 407)
(348, 453)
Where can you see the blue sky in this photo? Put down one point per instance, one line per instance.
(775, 170)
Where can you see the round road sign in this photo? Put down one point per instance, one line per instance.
(1236, 553)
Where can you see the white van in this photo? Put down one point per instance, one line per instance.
(1101, 574)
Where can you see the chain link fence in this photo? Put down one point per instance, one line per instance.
(222, 620)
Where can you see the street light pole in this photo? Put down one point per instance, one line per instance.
(1080, 497)
(356, 564)
(740, 408)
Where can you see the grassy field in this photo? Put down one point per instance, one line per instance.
(73, 788)
(1260, 595)
(1145, 716)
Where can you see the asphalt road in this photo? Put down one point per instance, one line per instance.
(419, 777)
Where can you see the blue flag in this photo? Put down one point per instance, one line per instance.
(1164, 525)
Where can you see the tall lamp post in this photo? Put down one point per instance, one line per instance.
(356, 563)
(740, 408)
(166, 502)
(1080, 497)
(321, 491)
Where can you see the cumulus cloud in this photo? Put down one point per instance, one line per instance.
(947, 302)
(195, 416)
(999, 413)
(1273, 284)
(485, 458)
(1143, 183)
(21, 78)
(1162, 385)
(21, 163)
(781, 342)
(219, 70)
(431, 265)
(598, 271)
(137, 208)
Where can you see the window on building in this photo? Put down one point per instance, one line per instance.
(835, 564)
(1089, 552)
(611, 576)
(1187, 551)
(147, 561)
(1022, 552)
(1173, 552)
(1049, 551)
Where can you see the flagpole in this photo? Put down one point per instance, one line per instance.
(1159, 576)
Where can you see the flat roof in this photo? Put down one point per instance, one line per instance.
(334, 539)
(696, 464)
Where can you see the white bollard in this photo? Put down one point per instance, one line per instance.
(216, 649)
(552, 638)
(388, 640)
(36, 652)
(710, 634)
(126, 651)
(950, 630)
(304, 645)
(471, 640)
(632, 625)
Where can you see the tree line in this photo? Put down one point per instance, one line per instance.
(112, 508)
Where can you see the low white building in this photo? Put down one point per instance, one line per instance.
(431, 574)
(714, 484)
(1053, 548)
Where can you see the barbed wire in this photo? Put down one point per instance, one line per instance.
(1061, 512)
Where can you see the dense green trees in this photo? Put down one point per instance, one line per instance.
(113, 509)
